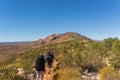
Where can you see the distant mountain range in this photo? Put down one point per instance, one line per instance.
(10, 49)
(9, 43)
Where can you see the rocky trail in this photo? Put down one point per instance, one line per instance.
(49, 74)
(91, 76)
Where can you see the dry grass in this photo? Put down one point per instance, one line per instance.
(68, 74)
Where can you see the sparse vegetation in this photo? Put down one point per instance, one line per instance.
(75, 54)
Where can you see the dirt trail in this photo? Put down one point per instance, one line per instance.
(50, 72)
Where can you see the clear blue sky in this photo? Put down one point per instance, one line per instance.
(28, 20)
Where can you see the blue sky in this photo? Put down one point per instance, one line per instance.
(28, 20)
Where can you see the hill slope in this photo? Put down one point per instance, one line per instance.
(78, 58)
(57, 38)
(9, 50)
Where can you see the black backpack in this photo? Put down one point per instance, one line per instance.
(40, 62)
(48, 57)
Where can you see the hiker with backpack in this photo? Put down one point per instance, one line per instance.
(49, 58)
(40, 66)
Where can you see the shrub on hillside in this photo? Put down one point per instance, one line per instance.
(114, 58)
(9, 74)
(108, 73)
(67, 74)
(89, 57)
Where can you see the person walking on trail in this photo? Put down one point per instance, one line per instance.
(49, 58)
(40, 67)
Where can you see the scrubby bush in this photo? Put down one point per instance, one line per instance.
(89, 57)
(68, 74)
(9, 74)
(108, 73)
(114, 58)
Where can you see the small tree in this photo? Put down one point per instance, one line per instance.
(109, 42)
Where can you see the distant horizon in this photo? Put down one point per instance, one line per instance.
(52, 34)
(23, 20)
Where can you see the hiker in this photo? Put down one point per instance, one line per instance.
(49, 58)
(40, 66)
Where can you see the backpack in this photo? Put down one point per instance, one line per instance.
(48, 57)
(40, 62)
(52, 55)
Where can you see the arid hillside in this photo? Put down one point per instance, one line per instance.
(8, 50)
(76, 56)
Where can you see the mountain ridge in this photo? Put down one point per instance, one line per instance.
(10, 50)
(57, 38)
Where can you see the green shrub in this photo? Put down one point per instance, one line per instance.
(114, 58)
(108, 73)
(9, 74)
(67, 74)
